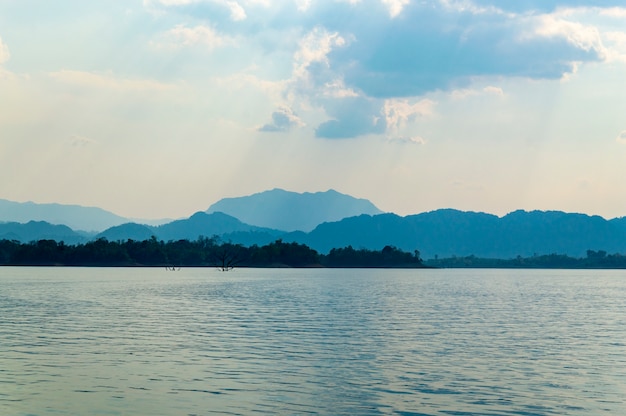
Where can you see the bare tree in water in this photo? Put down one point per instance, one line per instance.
(226, 256)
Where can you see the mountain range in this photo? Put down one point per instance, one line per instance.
(336, 220)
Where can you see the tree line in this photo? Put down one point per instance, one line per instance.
(593, 260)
(202, 252)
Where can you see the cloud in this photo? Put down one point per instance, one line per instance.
(399, 111)
(617, 12)
(393, 58)
(404, 59)
(407, 50)
(237, 12)
(617, 42)
(583, 37)
(621, 137)
(183, 36)
(282, 120)
(352, 117)
(544, 6)
(4, 52)
(395, 6)
(407, 139)
(314, 49)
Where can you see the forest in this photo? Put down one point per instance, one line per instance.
(225, 255)
(593, 260)
(203, 252)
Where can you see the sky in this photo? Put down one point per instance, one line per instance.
(159, 108)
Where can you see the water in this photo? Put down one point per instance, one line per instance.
(79, 341)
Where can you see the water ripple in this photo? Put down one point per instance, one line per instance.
(338, 342)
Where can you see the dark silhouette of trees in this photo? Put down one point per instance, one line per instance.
(281, 254)
(389, 256)
(594, 260)
(203, 252)
(212, 252)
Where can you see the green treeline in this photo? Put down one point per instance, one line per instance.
(200, 253)
(594, 260)
(211, 252)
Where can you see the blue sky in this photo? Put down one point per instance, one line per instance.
(158, 108)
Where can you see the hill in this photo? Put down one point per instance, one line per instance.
(448, 232)
(74, 216)
(291, 211)
(40, 230)
(207, 225)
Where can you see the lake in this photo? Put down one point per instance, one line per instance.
(124, 341)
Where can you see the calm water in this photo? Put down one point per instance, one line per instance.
(361, 342)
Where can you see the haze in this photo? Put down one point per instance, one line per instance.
(159, 108)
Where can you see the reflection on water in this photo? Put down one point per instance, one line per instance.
(410, 342)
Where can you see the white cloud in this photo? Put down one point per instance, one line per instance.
(337, 89)
(617, 12)
(584, 37)
(4, 52)
(467, 6)
(303, 5)
(237, 13)
(621, 138)
(182, 36)
(395, 6)
(108, 81)
(315, 47)
(283, 119)
(493, 90)
(616, 42)
(398, 112)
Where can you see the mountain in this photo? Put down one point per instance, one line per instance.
(40, 230)
(448, 232)
(74, 216)
(207, 225)
(291, 211)
(440, 233)
(199, 224)
(128, 231)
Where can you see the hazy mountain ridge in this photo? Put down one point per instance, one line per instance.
(291, 211)
(442, 233)
(77, 217)
(74, 216)
(41, 230)
(449, 232)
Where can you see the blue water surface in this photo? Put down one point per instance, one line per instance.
(135, 341)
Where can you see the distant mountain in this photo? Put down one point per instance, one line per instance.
(292, 211)
(449, 232)
(200, 224)
(442, 233)
(40, 230)
(128, 231)
(74, 216)
(207, 225)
